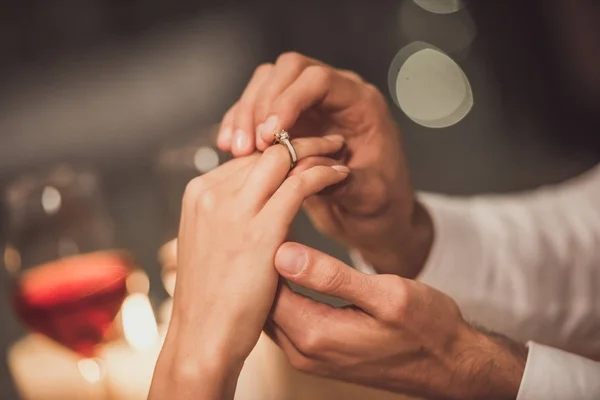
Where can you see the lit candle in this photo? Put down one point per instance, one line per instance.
(45, 370)
(130, 362)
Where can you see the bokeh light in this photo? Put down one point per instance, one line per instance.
(51, 200)
(90, 369)
(139, 323)
(440, 6)
(205, 159)
(452, 33)
(430, 87)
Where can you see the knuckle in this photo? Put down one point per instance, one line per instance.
(193, 191)
(333, 280)
(373, 94)
(261, 108)
(293, 62)
(290, 58)
(254, 236)
(300, 363)
(244, 106)
(313, 343)
(230, 114)
(397, 300)
(198, 196)
(263, 69)
(295, 184)
(275, 153)
(322, 75)
(207, 200)
(352, 75)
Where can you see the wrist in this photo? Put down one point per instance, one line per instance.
(195, 365)
(207, 336)
(490, 366)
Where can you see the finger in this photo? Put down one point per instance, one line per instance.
(298, 360)
(314, 330)
(288, 199)
(315, 85)
(167, 254)
(338, 158)
(318, 209)
(296, 314)
(225, 134)
(244, 127)
(310, 162)
(286, 70)
(315, 161)
(320, 213)
(318, 271)
(361, 192)
(272, 168)
(276, 86)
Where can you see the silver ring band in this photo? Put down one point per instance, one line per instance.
(283, 138)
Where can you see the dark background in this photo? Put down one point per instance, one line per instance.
(108, 84)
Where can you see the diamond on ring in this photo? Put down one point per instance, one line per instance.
(283, 138)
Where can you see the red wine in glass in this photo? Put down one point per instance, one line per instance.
(74, 300)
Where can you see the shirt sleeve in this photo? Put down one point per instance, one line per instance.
(552, 374)
(528, 266)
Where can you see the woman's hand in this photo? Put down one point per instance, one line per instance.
(375, 212)
(233, 220)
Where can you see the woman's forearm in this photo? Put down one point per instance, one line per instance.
(202, 371)
(207, 382)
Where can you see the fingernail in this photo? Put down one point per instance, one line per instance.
(291, 259)
(259, 129)
(271, 124)
(225, 136)
(241, 140)
(335, 138)
(341, 168)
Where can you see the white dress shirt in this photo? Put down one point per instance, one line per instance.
(528, 266)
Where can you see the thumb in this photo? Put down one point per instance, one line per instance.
(320, 272)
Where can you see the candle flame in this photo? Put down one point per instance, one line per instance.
(90, 369)
(139, 323)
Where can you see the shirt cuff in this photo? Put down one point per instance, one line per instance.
(552, 374)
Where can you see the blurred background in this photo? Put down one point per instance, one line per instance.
(108, 107)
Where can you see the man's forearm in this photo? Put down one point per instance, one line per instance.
(489, 366)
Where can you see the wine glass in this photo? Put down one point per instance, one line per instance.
(68, 277)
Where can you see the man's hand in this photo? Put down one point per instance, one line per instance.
(399, 335)
(374, 211)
